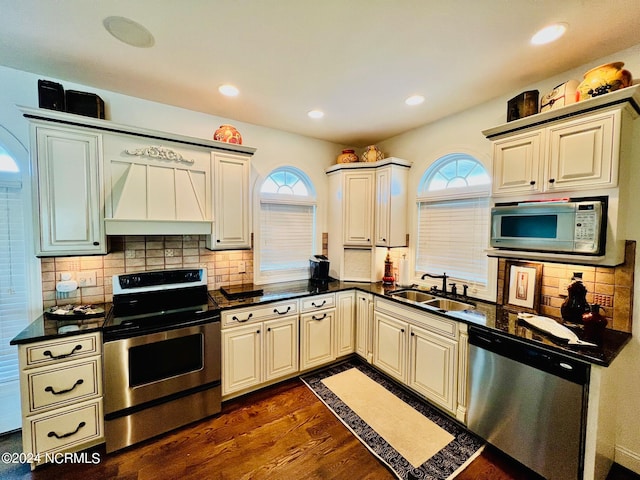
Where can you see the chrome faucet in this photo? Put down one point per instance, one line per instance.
(443, 277)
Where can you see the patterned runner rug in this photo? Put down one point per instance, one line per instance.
(414, 439)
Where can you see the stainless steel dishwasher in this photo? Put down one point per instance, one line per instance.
(528, 402)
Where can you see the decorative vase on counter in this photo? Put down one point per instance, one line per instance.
(372, 154)
(594, 323)
(575, 305)
(228, 133)
(603, 79)
(347, 156)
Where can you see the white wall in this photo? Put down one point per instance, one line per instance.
(462, 133)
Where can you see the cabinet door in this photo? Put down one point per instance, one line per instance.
(317, 339)
(390, 345)
(433, 367)
(281, 347)
(516, 164)
(241, 358)
(345, 323)
(67, 167)
(363, 331)
(358, 208)
(583, 153)
(231, 202)
(383, 207)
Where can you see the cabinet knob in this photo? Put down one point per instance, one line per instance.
(552, 180)
(95, 244)
(384, 239)
(532, 182)
(217, 241)
(402, 330)
(268, 330)
(257, 331)
(413, 334)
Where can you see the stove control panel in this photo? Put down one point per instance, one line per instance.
(158, 280)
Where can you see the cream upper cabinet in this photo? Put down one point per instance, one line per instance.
(358, 208)
(231, 214)
(67, 167)
(578, 153)
(391, 206)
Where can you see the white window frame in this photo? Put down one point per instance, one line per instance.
(484, 290)
(304, 202)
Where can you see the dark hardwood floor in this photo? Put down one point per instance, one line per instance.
(282, 432)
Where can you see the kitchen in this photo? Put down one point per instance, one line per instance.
(419, 146)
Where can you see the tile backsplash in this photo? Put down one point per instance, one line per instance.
(130, 254)
(610, 287)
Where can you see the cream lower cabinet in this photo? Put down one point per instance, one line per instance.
(317, 331)
(364, 329)
(61, 394)
(259, 352)
(420, 350)
(390, 345)
(345, 323)
(432, 366)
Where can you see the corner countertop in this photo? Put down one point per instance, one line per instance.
(47, 327)
(488, 316)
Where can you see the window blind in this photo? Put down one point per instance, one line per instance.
(13, 281)
(287, 233)
(452, 238)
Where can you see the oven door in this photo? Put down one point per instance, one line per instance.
(150, 367)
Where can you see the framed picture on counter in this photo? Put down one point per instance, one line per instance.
(522, 286)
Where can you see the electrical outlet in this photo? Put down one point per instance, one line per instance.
(87, 278)
(168, 252)
(242, 266)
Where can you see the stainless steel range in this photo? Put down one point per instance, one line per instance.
(161, 355)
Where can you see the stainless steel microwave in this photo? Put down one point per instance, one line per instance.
(567, 226)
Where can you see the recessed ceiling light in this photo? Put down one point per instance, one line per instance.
(549, 34)
(414, 100)
(316, 113)
(228, 90)
(129, 32)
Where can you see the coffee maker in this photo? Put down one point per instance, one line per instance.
(319, 270)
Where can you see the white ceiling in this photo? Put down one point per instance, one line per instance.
(357, 60)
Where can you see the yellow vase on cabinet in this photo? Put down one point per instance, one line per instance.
(603, 79)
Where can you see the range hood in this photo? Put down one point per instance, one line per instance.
(117, 226)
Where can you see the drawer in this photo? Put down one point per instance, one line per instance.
(419, 317)
(71, 428)
(50, 351)
(239, 316)
(318, 302)
(58, 385)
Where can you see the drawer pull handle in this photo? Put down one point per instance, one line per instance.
(65, 435)
(50, 389)
(319, 318)
(275, 310)
(318, 306)
(242, 321)
(47, 353)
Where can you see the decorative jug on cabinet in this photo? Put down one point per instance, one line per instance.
(228, 133)
(372, 154)
(603, 79)
(347, 156)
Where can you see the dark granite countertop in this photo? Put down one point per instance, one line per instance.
(47, 327)
(487, 315)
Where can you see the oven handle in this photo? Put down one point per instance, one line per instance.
(242, 321)
(60, 392)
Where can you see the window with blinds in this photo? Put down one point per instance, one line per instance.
(287, 233)
(453, 220)
(13, 275)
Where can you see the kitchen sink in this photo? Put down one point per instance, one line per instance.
(431, 301)
(448, 305)
(414, 296)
